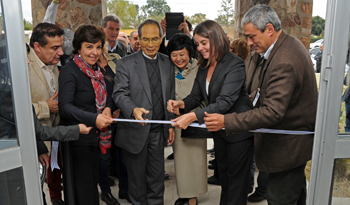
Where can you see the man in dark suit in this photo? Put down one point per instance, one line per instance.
(318, 59)
(111, 25)
(288, 101)
(144, 82)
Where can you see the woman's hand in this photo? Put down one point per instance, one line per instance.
(103, 121)
(183, 121)
(44, 159)
(171, 136)
(83, 129)
(173, 106)
(107, 111)
(116, 114)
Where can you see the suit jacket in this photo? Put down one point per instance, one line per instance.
(40, 90)
(121, 49)
(132, 89)
(288, 101)
(253, 73)
(227, 92)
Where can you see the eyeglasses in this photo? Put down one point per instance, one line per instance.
(147, 40)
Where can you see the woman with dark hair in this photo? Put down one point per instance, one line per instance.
(220, 81)
(240, 48)
(189, 154)
(82, 98)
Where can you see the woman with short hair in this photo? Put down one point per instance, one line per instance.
(82, 98)
(220, 81)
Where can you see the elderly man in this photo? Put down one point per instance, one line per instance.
(111, 26)
(144, 82)
(45, 52)
(134, 41)
(287, 96)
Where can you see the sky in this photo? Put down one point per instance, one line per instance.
(190, 7)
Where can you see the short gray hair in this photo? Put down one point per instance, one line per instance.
(260, 15)
(150, 21)
(111, 17)
(133, 33)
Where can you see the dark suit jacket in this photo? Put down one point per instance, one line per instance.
(227, 92)
(132, 89)
(121, 49)
(288, 101)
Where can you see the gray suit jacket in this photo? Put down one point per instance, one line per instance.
(288, 101)
(132, 89)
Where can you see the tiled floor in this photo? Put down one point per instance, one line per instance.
(212, 197)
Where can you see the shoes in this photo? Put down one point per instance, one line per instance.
(212, 166)
(59, 202)
(211, 161)
(171, 156)
(184, 201)
(109, 199)
(214, 180)
(166, 175)
(256, 197)
(210, 150)
(123, 195)
(111, 182)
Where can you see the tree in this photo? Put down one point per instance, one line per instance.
(126, 11)
(317, 25)
(27, 25)
(226, 14)
(197, 18)
(154, 9)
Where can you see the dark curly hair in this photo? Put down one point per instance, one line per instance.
(44, 29)
(88, 33)
(178, 42)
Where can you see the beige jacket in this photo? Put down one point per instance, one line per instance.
(40, 90)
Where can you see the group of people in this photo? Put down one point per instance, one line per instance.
(191, 78)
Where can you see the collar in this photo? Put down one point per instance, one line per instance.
(149, 57)
(268, 52)
(131, 48)
(115, 46)
(41, 64)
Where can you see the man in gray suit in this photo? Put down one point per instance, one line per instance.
(144, 82)
(288, 101)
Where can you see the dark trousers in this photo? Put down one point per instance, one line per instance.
(103, 179)
(85, 174)
(54, 179)
(146, 172)
(262, 181)
(287, 187)
(234, 162)
(121, 170)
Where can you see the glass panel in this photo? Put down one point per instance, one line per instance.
(341, 183)
(12, 191)
(8, 133)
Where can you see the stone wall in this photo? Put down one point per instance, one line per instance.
(71, 14)
(295, 16)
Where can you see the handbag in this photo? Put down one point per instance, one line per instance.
(196, 132)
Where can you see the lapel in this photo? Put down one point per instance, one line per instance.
(216, 73)
(163, 73)
(141, 71)
(202, 79)
(34, 64)
(278, 43)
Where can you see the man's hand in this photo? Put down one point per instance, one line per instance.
(184, 26)
(138, 112)
(173, 106)
(163, 25)
(53, 105)
(171, 136)
(116, 114)
(44, 159)
(183, 121)
(214, 122)
(103, 121)
(83, 129)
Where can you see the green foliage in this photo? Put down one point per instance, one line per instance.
(226, 14)
(196, 18)
(317, 25)
(126, 11)
(156, 8)
(314, 39)
(27, 25)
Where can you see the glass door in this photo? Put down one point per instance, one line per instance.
(19, 171)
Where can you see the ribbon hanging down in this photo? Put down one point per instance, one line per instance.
(262, 130)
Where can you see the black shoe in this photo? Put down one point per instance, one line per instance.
(59, 202)
(212, 166)
(109, 199)
(111, 182)
(181, 201)
(171, 156)
(123, 195)
(211, 161)
(209, 151)
(256, 197)
(214, 180)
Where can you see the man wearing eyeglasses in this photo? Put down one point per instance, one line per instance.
(144, 82)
